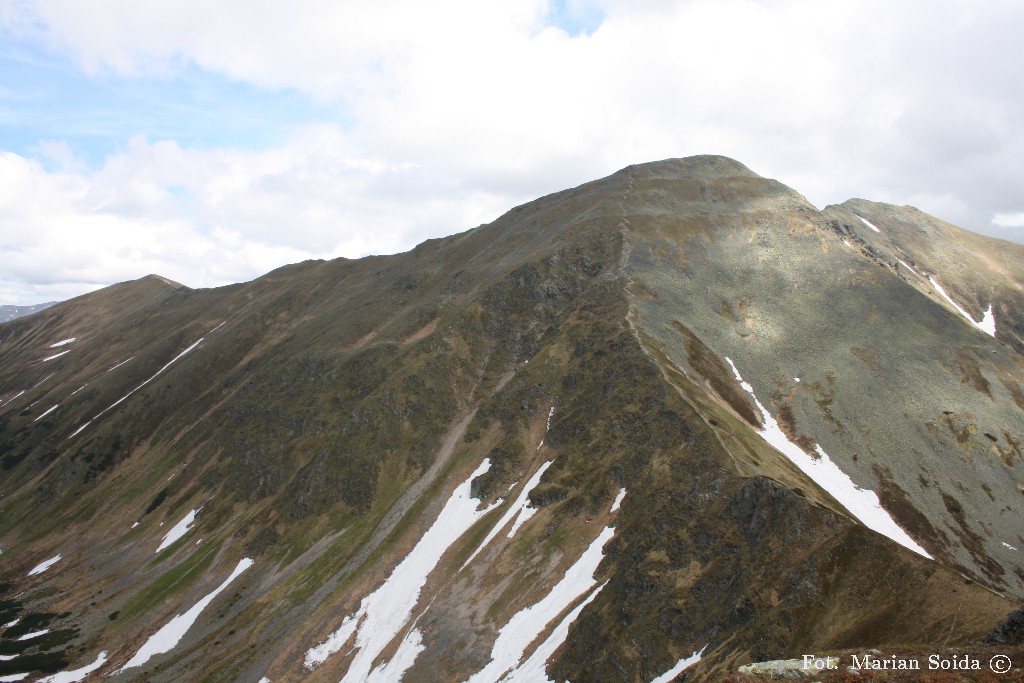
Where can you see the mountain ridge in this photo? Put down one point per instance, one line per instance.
(320, 419)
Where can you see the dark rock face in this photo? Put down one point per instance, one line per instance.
(1010, 632)
(318, 420)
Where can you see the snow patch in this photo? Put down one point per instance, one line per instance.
(56, 355)
(115, 403)
(20, 393)
(43, 566)
(521, 507)
(868, 223)
(13, 677)
(171, 634)
(76, 675)
(383, 613)
(547, 427)
(534, 668)
(121, 363)
(34, 634)
(861, 503)
(680, 666)
(618, 500)
(389, 672)
(79, 388)
(179, 529)
(1008, 545)
(988, 322)
(524, 627)
(50, 410)
(80, 429)
(63, 342)
(12, 623)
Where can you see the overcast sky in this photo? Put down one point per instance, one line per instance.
(211, 141)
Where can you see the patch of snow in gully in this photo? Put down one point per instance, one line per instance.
(118, 401)
(906, 265)
(406, 654)
(533, 670)
(56, 355)
(383, 613)
(13, 677)
(520, 507)
(524, 627)
(121, 363)
(547, 427)
(34, 634)
(179, 529)
(50, 410)
(988, 322)
(868, 223)
(20, 393)
(680, 666)
(62, 343)
(43, 566)
(618, 500)
(171, 634)
(76, 675)
(862, 503)
(79, 389)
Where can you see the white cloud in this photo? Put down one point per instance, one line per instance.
(453, 111)
(1009, 220)
(207, 218)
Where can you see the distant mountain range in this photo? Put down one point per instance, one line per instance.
(651, 428)
(8, 312)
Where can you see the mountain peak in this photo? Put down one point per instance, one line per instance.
(701, 166)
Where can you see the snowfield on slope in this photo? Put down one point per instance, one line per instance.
(385, 612)
(76, 675)
(988, 322)
(680, 666)
(524, 627)
(868, 223)
(43, 566)
(171, 634)
(179, 529)
(861, 503)
(520, 510)
(123, 398)
(50, 410)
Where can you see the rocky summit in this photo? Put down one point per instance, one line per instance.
(652, 428)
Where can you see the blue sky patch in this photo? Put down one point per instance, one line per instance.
(44, 98)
